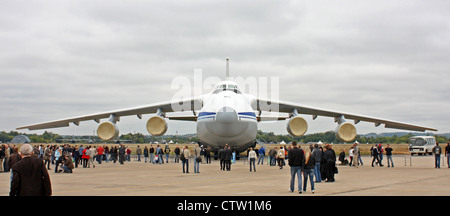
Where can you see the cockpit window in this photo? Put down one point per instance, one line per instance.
(231, 86)
(225, 87)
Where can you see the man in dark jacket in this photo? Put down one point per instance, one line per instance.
(228, 157)
(221, 156)
(330, 163)
(296, 160)
(121, 154)
(375, 154)
(30, 177)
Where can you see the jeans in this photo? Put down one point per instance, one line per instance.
(296, 170)
(160, 159)
(272, 161)
(389, 158)
(167, 158)
(152, 158)
(196, 165)
(437, 161)
(448, 160)
(306, 173)
(99, 159)
(66, 169)
(186, 163)
(317, 172)
(261, 159)
(252, 161)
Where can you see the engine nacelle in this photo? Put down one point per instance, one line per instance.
(157, 126)
(297, 126)
(108, 131)
(346, 132)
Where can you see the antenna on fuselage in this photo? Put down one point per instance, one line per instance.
(227, 75)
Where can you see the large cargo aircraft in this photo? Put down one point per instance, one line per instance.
(227, 116)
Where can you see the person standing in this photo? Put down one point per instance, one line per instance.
(92, 152)
(185, 158)
(152, 154)
(14, 158)
(221, 156)
(351, 155)
(389, 155)
(121, 154)
(447, 153)
(272, 156)
(281, 154)
(47, 156)
(330, 159)
(296, 161)
(30, 177)
(356, 154)
(308, 170)
(202, 154)
(197, 159)
(85, 156)
(167, 152)
(145, 154)
(375, 153)
(318, 158)
(128, 154)
(139, 152)
(177, 154)
(262, 153)
(58, 159)
(114, 153)
(252, 159)
(159, 152)
(228, 156)
(380, 153)
(100, 151)
(437, 156)
(208, 155)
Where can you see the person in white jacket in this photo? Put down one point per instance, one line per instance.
(252, 159)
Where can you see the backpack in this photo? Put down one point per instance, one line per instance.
(182, 156)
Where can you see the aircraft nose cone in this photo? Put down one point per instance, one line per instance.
(226, 115)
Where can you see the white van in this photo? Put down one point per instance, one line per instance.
(421, 145)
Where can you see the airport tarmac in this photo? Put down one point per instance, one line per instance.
(414, 176)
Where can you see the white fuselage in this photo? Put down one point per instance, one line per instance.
(227, 118)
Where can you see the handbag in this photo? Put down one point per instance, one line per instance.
(336, 171)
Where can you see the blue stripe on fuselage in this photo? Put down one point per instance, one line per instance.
(208, 115)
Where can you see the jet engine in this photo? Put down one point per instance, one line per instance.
(297, 126)
(108, 131)
(346, 132)
(157, 125)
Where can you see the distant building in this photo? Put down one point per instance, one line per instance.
(20, 139)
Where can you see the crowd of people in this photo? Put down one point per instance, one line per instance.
(315, 163)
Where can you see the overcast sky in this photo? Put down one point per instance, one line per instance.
(387, 59)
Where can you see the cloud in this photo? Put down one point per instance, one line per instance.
(66, 58)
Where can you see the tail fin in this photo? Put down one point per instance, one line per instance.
(227, 75)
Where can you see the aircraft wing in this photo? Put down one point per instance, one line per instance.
(288, 107)
(169, 106)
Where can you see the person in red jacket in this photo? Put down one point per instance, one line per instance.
(100, 151)
(128, 154)
(85, 157)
